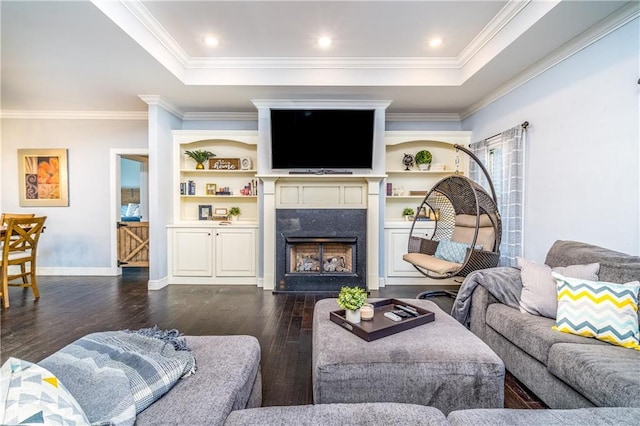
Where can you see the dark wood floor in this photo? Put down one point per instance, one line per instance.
(70, 307)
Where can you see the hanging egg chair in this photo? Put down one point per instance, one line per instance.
(467, 232)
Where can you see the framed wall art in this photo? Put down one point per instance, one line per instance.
(43, 178)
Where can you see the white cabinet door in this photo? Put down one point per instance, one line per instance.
(192, 252)
(397, 244)
(236, 252)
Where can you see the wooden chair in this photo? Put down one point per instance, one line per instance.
(3, 222)
(6, 216)
(19, 248)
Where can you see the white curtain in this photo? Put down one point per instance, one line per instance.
(503, 156)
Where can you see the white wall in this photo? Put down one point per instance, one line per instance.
(582, 179)
(76, 239)
(161, 124)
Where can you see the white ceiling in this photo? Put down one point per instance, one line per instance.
(101, 56)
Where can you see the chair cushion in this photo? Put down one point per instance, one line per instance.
(452, 251)
(431, 263)
(606, 311)
(465, 229)
(576, 416)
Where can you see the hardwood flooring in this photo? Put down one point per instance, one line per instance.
(72, 306)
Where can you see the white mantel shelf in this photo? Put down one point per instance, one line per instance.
(309, 176)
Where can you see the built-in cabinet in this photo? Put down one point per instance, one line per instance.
(212, 254)
(213, 250)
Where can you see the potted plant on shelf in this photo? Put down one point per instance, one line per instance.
(423, 159)
(408, 213)
(200, 156)
(234, 213)
(351, 300)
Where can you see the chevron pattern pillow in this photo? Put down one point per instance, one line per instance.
(606, 311)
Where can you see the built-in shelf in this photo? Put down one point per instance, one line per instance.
(219, 196)
(222, 172)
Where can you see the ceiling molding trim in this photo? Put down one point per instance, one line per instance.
(74, 115)
(162, 102)
(128, 16)
(608, 25)
(322, 62)
(221, 116)
(497, 23)
(401, 116)
(142, 14)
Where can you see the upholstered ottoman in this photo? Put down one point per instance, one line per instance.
(339, 414)
(439, 364)
(227, 378)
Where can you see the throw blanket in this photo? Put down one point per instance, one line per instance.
(502, 282)
(114, 375)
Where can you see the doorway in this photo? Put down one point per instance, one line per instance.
(130, 209)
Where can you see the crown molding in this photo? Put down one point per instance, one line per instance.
(420, 117)
(221, 116)
(74, 115)
(608, 25)
(162, 102)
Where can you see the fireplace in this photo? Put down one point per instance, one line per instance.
(320, 250)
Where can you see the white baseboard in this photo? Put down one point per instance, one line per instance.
(158, 284)
(56, 271)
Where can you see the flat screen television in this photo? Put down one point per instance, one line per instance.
(326, 139)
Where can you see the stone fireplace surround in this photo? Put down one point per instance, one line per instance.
(323, 226)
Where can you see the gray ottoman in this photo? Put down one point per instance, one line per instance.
(227, 378)
(339, 415)
(439, 364)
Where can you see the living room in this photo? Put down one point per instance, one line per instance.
(582, 181)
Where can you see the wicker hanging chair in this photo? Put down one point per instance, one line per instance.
(467, 232)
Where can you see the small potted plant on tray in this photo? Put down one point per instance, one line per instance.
(200, 156)
(351, 300)
(423, 159)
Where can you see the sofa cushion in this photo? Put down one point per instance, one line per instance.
(228, 368)
(606, 311)
(539, 294)
(383, 413)
(531, 333)
(609, 376)
(578, 416)
(31, 394)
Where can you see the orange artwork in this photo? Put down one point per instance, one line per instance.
(43, 177)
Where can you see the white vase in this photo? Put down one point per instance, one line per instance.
(353, 316)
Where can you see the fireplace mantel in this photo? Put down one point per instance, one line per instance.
(318, 192)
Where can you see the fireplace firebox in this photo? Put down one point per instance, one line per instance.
(320, 250)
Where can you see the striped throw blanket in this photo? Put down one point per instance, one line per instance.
(114, 375)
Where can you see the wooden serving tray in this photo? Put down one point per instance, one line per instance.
(381, 326)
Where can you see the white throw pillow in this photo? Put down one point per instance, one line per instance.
(30, 394)
(539, 294)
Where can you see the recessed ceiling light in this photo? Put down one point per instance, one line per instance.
(435, 42)
(211, 41)
(324, 42)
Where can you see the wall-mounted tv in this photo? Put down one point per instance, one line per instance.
(327, 139)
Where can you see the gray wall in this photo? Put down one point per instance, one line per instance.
(582, 179)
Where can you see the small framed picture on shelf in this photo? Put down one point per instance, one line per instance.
(220, 211)
(204, 211)
(211, 189)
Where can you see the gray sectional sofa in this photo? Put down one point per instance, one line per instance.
(563, 370)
